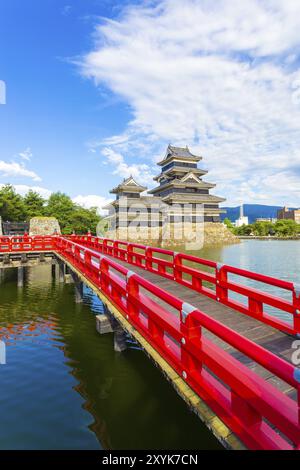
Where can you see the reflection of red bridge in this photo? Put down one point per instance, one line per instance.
(231, 361)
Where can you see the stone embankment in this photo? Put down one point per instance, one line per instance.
(44, 226)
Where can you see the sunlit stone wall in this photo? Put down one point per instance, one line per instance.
(44, 226)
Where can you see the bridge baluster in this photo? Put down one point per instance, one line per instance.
(132, 288)
(191, 331)
(255, 306)
(296, 304)
(177, 265)
(221, 280)
(104, 276)
(149, 260)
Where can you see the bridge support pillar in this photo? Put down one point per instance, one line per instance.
(120, 344)
(78, 292)
(78, 288)
(53, 271)
(20, 276)
(61, 270)
(106, 323)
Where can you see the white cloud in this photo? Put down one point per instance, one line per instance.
(66, 10)
(23, 189)
(140, 171)
(26, 154)
(219, 76)
(14, 169)
(92, 200)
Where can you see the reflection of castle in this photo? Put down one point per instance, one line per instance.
(180, 187)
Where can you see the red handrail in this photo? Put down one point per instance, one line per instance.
(215, 284)
(259, 413)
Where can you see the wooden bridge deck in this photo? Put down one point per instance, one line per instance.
(270, 338)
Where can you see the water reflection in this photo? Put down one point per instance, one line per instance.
(65, 388)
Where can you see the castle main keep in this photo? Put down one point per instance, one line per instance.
(180, 198)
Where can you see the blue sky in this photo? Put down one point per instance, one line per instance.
(95, 90)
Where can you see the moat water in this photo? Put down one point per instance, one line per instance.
(64, 387)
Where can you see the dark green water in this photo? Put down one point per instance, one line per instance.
(64, 387)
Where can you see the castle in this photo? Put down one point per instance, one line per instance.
(181, 196)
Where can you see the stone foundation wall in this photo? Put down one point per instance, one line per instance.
(208, 234)
(44, 226)
(218, 234)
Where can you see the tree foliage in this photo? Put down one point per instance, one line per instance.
(12, 205)
(280, 228)
(71, 216)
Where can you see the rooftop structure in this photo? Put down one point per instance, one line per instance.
(242, 220)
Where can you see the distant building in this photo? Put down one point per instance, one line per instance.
(266, 219)
(289, 214)
(242, 220)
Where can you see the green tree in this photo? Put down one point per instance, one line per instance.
(244, 230)
(228, 224)
(286, 228)
(262, 229)
(82, 220)
(71, 216)
(34, 204)
(12, 206)
(60, 206)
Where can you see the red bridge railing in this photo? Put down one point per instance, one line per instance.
(257, 411)
(26, 243)
(217, 284)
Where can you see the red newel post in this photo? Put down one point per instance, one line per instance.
(221, 281)
(191, 330)
(132, 290)
(296, 304)
(104, 275)
(115, 252)
(177, 263)
(129, 253)
(148, 256)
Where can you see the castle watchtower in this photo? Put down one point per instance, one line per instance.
(131, 210)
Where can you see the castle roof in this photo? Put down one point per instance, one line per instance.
(188, 181)
(128, 185)
(179, 153)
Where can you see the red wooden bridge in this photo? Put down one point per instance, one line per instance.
(233, 357)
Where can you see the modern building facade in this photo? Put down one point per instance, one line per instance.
(289, 214)
(242, 220)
